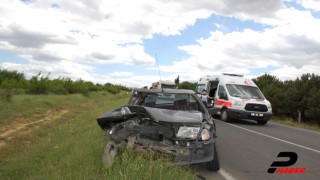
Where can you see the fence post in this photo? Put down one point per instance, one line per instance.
(299, 116)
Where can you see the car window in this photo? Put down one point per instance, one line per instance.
(222, 93)
(184, 102)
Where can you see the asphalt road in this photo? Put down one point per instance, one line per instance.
(246, 151)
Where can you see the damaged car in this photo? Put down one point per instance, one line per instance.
(172, 122)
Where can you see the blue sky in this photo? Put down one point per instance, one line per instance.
(118, 42)
(12, 57)
(166, 47)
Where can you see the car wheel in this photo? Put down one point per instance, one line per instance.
(225, 115)
(262, 122)
(109, 154)
(214, 165)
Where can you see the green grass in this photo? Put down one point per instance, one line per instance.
(23, 106)
(147, 166)
(71, 146)
(291, 122)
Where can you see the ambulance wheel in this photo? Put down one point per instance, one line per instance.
(225, 115)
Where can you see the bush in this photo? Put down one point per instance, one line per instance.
(38, 84)
(6, 95)
(12, 80)
(114, 89)
(290, 96)
(187, 85)
(41, 84)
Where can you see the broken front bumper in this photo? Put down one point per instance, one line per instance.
(183, 152)
(200, 152)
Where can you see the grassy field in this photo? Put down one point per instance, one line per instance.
(291, 122)
(57, 137)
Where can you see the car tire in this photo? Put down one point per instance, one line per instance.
(109, 154)
(225, 115)
(214, 165)
(262, 122)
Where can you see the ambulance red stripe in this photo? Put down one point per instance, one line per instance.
(223, 103)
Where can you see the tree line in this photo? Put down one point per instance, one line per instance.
(291, 98)
(14, 82)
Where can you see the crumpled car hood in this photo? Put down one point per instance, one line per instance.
(158, 115)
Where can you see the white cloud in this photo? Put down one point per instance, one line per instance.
(54, 35)
(290, 46)
(89, 30)
(68, 69)
(121, 74)
(61, 36)
(311, 4)
(74, 30)
(291, 73)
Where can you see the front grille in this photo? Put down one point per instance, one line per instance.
(256, 107)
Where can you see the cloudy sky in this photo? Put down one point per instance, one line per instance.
(123, 41)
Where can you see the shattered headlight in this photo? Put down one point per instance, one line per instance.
(205, 134)
(188, 132)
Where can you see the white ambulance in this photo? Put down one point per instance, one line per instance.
(234, 97)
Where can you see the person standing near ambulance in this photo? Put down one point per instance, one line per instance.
(204, 97)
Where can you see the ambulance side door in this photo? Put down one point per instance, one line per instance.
(221, 99)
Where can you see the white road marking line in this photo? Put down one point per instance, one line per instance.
(226, 175)
(314, 150)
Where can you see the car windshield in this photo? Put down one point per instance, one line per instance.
(244, 92)
(200, 87)
(184, 102)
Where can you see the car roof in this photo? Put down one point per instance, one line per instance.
(165, 90)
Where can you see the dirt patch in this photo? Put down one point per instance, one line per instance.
(2, 144)
(19, 124)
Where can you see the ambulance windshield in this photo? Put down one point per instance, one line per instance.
(244, 92)
(200, 87)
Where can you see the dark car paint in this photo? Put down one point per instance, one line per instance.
(156, 128)
(164, 115)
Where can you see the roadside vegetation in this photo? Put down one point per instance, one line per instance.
(57, 137)
(146, 166)
(291, 122)
(13, 82)
(48, 129)
(294, 99)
